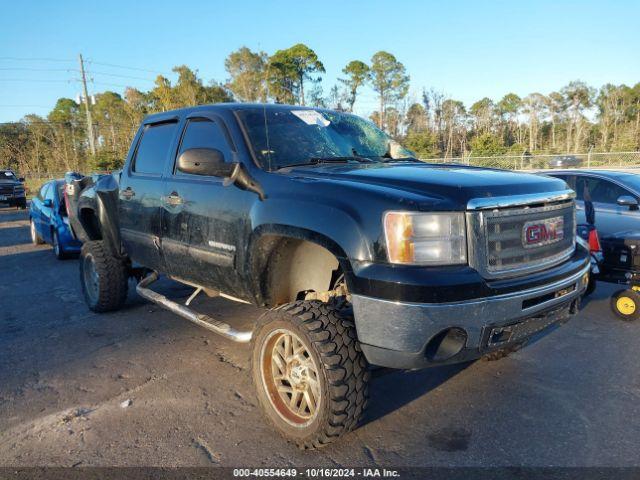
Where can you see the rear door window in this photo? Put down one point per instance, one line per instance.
(600, 190)
(153, 149)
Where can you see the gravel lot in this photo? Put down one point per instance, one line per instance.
(144, 387)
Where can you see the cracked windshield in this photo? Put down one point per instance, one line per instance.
(286, 137)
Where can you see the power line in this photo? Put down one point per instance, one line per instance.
(36, 59)
(30, 69)
(37, 80)
(110, 84)
(125, 67)
(24, 106)
(93, 72)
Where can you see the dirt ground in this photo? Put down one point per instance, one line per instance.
(142, 387)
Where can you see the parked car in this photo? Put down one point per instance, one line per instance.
(364, 254)
(12, 189)
(565, 161)
(49, 221)
(615, 196)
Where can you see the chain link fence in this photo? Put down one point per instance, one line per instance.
(541, 162)
(33, 181)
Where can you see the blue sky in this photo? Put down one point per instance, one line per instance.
(467, 49)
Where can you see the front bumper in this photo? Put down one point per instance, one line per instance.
(401, 334)
(14, 199)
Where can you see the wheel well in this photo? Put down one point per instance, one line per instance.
(90, 222)
(287, 268)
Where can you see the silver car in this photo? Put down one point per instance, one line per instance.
(615, 196)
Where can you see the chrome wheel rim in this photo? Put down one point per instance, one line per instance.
(56, 245)
(290, 378)
(90, 277)
(33, 232)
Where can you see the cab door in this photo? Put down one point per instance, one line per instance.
(141, 194)
(204, 221)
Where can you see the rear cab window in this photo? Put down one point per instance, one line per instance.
(153, 148)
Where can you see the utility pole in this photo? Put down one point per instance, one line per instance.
(91, 138)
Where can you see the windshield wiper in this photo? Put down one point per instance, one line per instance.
(321, 160)
(357, 158)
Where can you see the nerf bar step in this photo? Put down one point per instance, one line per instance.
(205, 321)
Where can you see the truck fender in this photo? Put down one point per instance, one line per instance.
(97, 213)
(329, 226)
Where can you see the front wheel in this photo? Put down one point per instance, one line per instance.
(57, 248)
(310, 374)
(104, 278)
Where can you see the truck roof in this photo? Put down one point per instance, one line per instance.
(229, 106)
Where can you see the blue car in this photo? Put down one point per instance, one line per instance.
(49, 221)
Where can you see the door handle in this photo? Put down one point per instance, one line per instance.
(128, 193)
(173, 199)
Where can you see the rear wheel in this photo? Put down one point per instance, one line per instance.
(626, 304)
(309, 372)
(35, 238)
(104, 278)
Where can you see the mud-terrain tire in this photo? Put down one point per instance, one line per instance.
(104, 278)
(321, 363)
(35, 238)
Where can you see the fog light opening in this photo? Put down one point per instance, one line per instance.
(446, 344)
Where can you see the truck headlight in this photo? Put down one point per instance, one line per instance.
(437, 238)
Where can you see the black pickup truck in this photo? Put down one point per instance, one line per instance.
(12, 189)
(363, 254)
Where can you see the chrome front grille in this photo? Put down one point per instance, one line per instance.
(499, 246)
(6, 189)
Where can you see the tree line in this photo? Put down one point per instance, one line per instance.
(576, 118)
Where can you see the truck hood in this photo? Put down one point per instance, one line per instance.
(455, 183)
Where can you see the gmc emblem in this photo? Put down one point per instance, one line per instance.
(542, 232)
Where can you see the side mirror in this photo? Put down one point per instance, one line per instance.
(21, 179)
(628, 201)
(204, 161)
(48, 203)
